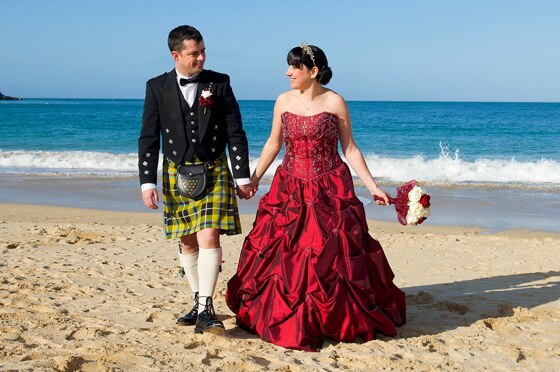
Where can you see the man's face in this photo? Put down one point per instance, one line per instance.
(190, 60)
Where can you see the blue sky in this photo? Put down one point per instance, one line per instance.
(378, 50)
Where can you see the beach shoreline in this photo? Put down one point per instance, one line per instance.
(489, 208)
(96, 289)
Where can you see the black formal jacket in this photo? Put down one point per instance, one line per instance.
(219, 125)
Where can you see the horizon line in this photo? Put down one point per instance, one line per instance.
(273, 100)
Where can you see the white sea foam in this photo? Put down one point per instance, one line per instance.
(451, 169)
(68, 162)
(446, 169)
(455, 170)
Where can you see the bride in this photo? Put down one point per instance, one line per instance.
(309, 269)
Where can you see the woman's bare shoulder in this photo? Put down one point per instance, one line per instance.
(286, 96)
(335, 103)
(283, 100)
(334, 97)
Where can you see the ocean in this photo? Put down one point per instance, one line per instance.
(496, 165)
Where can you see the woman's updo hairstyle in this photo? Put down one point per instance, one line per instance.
(311, 56)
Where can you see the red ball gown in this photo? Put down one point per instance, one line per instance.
(309, 269)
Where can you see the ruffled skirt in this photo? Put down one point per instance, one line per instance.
(309, 269)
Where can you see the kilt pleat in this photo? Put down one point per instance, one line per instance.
(217, 209)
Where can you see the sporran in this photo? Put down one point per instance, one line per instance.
(192, 180)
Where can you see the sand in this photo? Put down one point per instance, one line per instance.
(95, 290)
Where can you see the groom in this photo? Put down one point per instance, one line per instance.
(195, 113)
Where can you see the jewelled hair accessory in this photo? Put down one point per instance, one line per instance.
(307, 49)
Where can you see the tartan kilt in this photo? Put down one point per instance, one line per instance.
(218, 209)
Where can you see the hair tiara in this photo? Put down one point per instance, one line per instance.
(307, 49)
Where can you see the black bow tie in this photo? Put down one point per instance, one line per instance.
(184, 82)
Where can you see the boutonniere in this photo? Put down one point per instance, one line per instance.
(205, 100)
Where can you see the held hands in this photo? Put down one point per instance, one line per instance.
(247, 191)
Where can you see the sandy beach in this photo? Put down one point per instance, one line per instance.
(97, 290)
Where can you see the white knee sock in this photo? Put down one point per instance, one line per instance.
(189, 262)
(209, 262)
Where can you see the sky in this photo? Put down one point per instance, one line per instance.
(475, 50)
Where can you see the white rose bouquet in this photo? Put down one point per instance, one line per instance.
(411, 203)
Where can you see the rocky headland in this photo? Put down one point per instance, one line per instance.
(8, 98)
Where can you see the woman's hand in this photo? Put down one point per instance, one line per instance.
(380, 196)
(255, 180)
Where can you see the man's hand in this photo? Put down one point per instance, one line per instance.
(246, 191)
(150, 198)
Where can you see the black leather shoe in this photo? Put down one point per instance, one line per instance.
(207, 321)
(190, 317)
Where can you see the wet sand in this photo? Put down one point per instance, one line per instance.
(490, 208)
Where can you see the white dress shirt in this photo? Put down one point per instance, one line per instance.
(188, 90)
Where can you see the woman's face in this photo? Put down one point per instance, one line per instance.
(300, 78)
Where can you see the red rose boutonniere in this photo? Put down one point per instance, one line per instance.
(205, 100)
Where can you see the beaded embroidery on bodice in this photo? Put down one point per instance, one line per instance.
(311, 144)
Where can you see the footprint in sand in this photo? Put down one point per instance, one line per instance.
(453, 307)
(210, 355)
(68, 363)
(165, 316)
(130, 361)
(44, 309)
(71, 235)
(421, 298)
(509, 323)
(86, 333)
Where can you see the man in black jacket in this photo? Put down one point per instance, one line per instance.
(195, 114)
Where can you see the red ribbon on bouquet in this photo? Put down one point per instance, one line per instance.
(412, 208)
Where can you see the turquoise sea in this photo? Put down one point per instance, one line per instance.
(466, 152)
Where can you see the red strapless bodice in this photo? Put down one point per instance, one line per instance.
(311, 144)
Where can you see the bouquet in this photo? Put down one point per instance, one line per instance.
(411, 203)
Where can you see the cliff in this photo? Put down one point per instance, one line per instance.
(8, 98)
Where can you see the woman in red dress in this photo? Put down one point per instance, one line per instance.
(309, 269)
